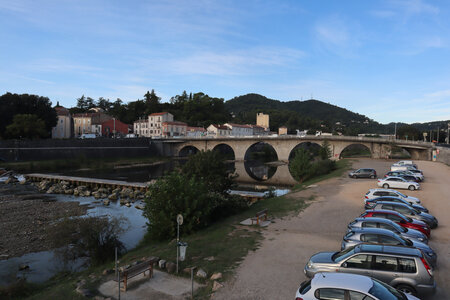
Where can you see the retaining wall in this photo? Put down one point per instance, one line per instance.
(444, 154)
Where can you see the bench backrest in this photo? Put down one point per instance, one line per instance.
(262, 212)
(139, 268)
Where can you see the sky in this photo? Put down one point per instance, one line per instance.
(386, 59)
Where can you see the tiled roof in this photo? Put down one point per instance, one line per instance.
(174, 123)
(159, 114)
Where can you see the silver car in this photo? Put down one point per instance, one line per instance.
(403, 268)
(408, 211)
(374, 193)
(386, 237)
(389, 225)
(370, 203)
(341, 286)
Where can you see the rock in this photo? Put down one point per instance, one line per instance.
(112, 197)
(116, 190)
(187, 270)
(216, 276)
(128, 204)
(76, 192)
(63, 182)
(4, 256)
(123, 201)
(83, 292)
(87, 193)
(96, 195)
(171, 267)
(209, 258)
(23, 181)
(216, 286)
(201, 273)
(68, 191)
(138, 206)
(24, 267)
(162, 263)
(106, 202)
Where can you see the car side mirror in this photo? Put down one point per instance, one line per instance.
(344, 265)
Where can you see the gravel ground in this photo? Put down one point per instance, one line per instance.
(275, 270)
(25, 217)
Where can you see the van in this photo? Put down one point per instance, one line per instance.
(88, 136)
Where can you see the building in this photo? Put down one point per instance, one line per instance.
(239, 129)
(283, 130)
(258, 130)
(195, 131)
(114, 128)
(262, 120)
(140, 128)
(64, 127)
(155, 121)
(82, 123)
(218, 130)
(174, 128)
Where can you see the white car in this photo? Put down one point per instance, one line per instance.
(398, 183)
(340, 286)
(375, 193)
(405, 163)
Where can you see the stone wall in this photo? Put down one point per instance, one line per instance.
(26, 150)
(444, 154)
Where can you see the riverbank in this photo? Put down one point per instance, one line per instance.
(26, 216)
(217, 249)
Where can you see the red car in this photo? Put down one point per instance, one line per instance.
(400, 219)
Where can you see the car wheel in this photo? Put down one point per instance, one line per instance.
(406, 289)
(354, 176)
(385, 186)
(411, 188)
(372, 176)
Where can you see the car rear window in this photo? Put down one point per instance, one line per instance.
(305, 287)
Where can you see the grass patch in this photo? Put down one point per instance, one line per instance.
(342, 166)
(77, 163)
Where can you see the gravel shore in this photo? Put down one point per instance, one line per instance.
(25, 217)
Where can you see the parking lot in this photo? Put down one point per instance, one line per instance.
(275, 270)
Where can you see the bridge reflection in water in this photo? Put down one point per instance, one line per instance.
(255, 172)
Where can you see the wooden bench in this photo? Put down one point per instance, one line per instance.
(260, 215)
(136, 270)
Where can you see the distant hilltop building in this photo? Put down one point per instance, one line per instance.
(262, 120)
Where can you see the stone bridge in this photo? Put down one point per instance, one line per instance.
(283, 145)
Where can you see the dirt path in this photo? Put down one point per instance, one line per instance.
(275, 270)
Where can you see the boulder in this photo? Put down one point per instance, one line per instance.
(201, 273)
(107, 271)
(106, 202)
(171, 267)
(112, 197)
(162, 263)
(128, 204)
(138, 206)
(68, 191)
(216, 276)
(63, 182)
(76, 192)
(216, 286)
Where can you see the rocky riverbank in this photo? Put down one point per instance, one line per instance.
(26, 216)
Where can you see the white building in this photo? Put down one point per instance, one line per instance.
(155, 122)
(218, 130)
(239, 129)
(195, 131)
(140, 128)
(63, 129)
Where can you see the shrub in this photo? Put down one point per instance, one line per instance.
(300, 165)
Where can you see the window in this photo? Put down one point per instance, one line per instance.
(386, 226)
(369, 238)
(385, 263)
(387, 206)
(329, 294)
(403, 210)
(388, 240)
(407, 265)
(360, 261)
(394, 218)
(358, 296)
(369, 224)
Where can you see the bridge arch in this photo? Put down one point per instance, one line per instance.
(355, 150)
(187, 151)
(226, 150)
(312, 147)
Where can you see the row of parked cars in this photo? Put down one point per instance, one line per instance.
(384, 253)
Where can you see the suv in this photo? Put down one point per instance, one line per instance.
(386, 237)
(340, 286)
(389, 225)
(408, 211)
(374, 193)
(404, 268)
(363, 173)
(370, 203)
(398, 218)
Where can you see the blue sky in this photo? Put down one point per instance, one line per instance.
(387, 59)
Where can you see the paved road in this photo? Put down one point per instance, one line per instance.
(275, 270)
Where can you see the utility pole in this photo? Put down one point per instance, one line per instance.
(438, 135)
(395, 131)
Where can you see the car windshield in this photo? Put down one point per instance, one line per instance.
(338, 256)
(417, 212)
(385, 292)
(409, 220)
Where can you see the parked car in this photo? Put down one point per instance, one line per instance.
(403, 268)
(398, 182)
(370, 203)
(408, 211)
(409, 177)
(400, 219)
(374, 193)
(347, 286)
(418, 177)
(416, 171)
(385, 237)
(389, 225)
(402, 168)
(405, 163)
(363, 173)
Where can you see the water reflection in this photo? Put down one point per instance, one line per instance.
(258, 170)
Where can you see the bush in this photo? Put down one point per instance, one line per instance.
(94, 237)
(300, 165)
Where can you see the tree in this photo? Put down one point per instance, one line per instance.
(14, 104)
(152, 102)
(300, 165)
(325, 151)
(210, 167)
(409, 132)
(26, 126)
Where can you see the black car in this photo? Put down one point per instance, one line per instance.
(363, 173)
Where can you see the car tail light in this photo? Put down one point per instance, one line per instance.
(427, 266)
(366, 197)
(298, 298)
